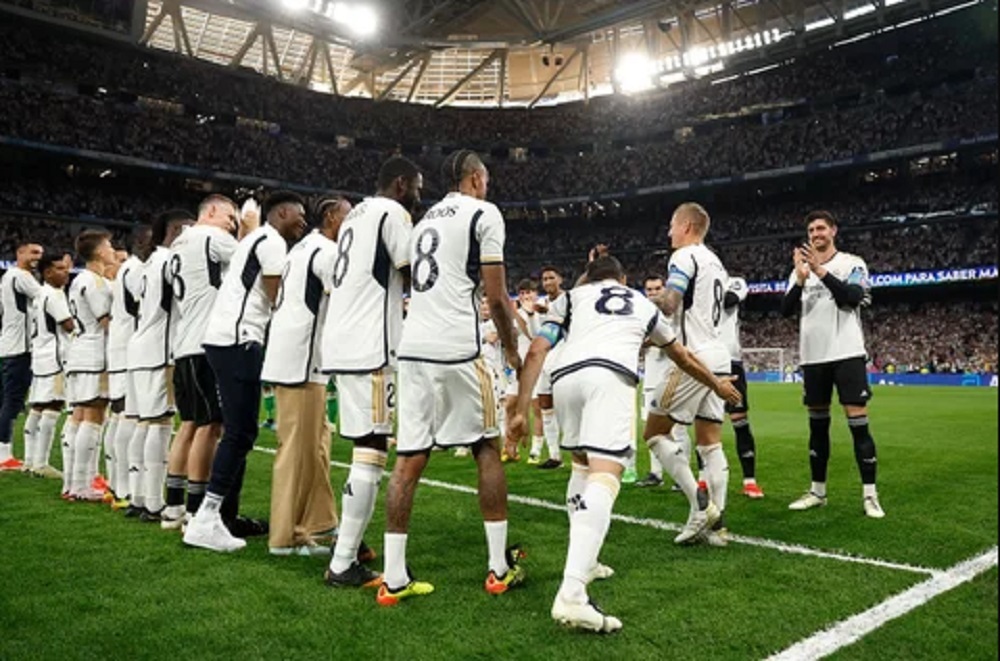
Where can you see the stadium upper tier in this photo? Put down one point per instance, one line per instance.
(933, 81)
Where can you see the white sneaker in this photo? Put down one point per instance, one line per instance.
(173, 519)
(583, 616)
(808, 502)
(309, 550)
(600, 573)
(873, 510)
(698, 523)
(206, 531)
(47, 472)
(463, 452)
(717, 538)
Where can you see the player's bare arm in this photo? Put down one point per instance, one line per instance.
(669, 302)
(517, 428)
(271, 283)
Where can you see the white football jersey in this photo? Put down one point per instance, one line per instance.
(366, 288)
(242, 309)
(49, 341)
(829, 333)
(89, 303)
(454, 240)
(730, 326)
(149, 347)
(532, 322)
(18, 288)
(657, 364)
(697, 273)
(295, 355)
(605, 325)
(125, 290)
(199, 258)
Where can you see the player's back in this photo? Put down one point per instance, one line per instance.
(198, 261)
(124, 312)
(89, 303)
(605, 324)
(705, 278)
(15, 306)
(453, 241)
(366, 288)
(149, 347)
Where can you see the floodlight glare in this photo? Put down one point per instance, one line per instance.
(635, 72)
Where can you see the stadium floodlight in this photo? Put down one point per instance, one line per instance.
(635, 73)
(295, 5)
(359, 19)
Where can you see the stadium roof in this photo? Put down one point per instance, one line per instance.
(507, 52)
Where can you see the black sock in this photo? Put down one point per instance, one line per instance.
(819, 444)
(196, 494)
(746, 447)
(864, 449)
(176, 484)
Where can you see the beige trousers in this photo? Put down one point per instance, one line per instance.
(302, 500)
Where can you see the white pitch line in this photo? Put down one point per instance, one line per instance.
(657, 524)
(854, 628)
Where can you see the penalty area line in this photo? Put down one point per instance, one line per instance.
(657, 524)
(849, 631)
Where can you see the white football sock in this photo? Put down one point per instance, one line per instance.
(819, 488)
(108, 442)
(575, 488)
(395, 561)
(550, 426)
(678, 467)
(155, 465)
(716, 473)
(44, 436)
(31, 439)
(358, 505)
(123, 436)
(67, 443)
(136, 448)
(536, 446)
(869, 491)
(680, 434)
(496, 542)
(587, 529)
(6, 451)
(88, 437)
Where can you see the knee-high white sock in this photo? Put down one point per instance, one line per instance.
(358, 505)
(108, 441)
(395, 561)
(536, 446)
(671, 456)
(575, 488)
(681, 435)
(496, 543)
(43, 438)
(136, 449)
(716, 473)
(587, 529)
(155, 463)
(123, 436)
(31, 439)
(67, 443)
(88, 437)
(550, 426)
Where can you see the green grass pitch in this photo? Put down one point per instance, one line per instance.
(78, 581)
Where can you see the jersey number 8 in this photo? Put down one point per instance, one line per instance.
(426, 269)
(343, 263)
(616, 301)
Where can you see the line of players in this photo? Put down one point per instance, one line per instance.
(656, 364)
(200, 303)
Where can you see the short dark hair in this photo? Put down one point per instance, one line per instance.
(279, 198)
(163, 221)
(527, 285)
(551, 269)
(24, 242)
(394, 168)
(654, 276)
(88, 241)
(48, 259)
(460, 165)
(605, 268)
(823, 215)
